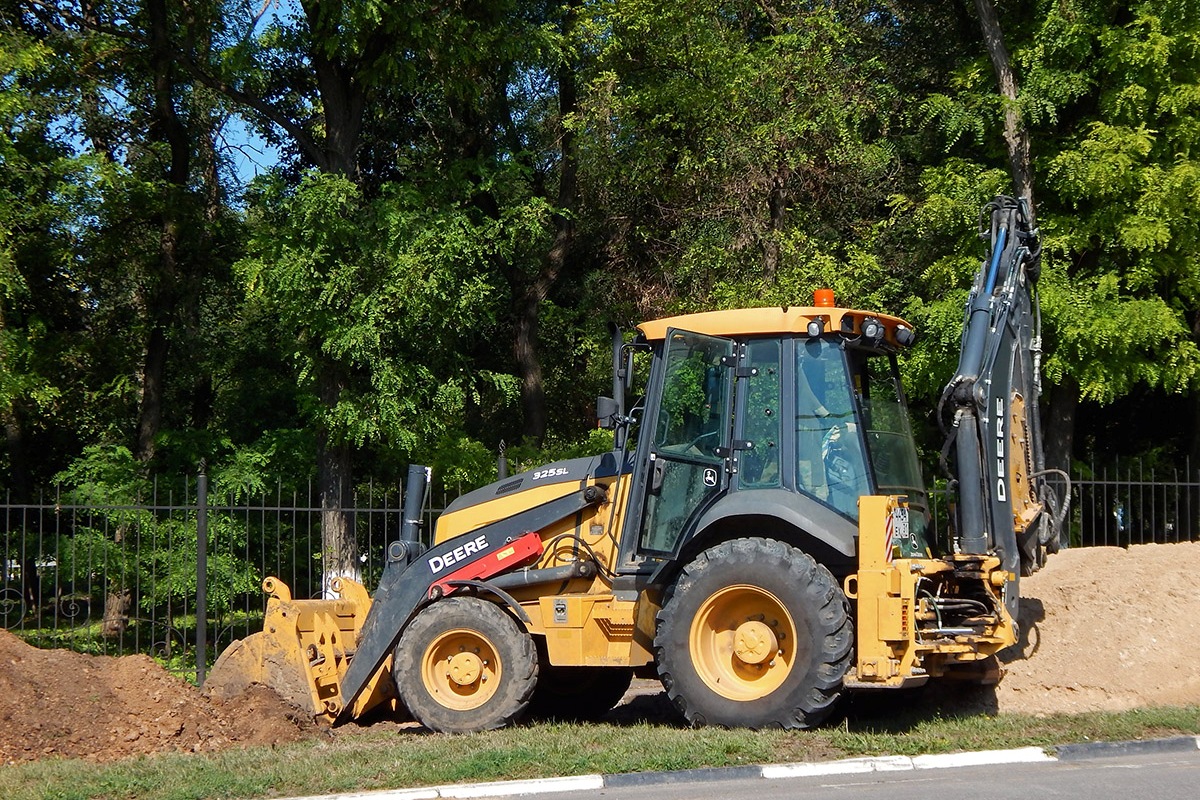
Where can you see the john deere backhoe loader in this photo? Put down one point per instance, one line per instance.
(758, 539)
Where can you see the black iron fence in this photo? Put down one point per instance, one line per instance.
(1130, 503)
(177, 573)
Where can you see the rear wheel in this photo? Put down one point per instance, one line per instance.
(755, 634)
(465, 665)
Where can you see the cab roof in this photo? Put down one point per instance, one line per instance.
(773, 320)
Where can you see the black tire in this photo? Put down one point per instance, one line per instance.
(578, 694)
(464, 665)
(754, 634)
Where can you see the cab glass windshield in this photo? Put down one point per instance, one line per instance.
(853, 433)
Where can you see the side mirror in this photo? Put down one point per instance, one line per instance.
(607, 410)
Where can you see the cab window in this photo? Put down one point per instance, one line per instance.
(831, 463)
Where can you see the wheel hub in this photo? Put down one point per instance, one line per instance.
(464, 669)
(742, 642)
(754, 642)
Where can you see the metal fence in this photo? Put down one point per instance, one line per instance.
(177, 573)
(1129, 503)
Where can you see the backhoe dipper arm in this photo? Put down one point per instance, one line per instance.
(994, 436)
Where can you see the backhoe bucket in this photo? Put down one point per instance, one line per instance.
(302, 652)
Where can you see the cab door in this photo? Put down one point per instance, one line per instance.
(689, 442)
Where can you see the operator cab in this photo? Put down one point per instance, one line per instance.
(779, 419)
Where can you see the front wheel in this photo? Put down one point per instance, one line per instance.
(465, 665)
(754, 634)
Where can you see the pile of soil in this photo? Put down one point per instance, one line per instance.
(1107, 629)
(65, 704)
(1103, 629)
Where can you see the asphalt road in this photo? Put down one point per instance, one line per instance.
(1158, 776)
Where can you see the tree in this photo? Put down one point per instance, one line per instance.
(383, 94)
(735, 151)
(1016, 136)
(387, 293)
(140, 212)
(1124, 171)
(1105, 98)
(36, 311)
(307, 80)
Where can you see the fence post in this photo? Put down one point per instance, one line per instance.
(201, 572)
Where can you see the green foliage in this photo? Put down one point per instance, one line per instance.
(247, 470)
(1127, 183)
(39, 178)
(1111, 107)
(170, 556)
(730, 145)
(1109, 342)
(122, 538)
(731, 154)
(388, 292)
(104, 475)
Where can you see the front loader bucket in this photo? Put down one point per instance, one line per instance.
(302, 652)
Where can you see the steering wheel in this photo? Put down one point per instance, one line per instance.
(705, 447)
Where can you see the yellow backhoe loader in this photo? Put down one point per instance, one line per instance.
(758, 539)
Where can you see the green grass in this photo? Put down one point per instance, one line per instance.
(364, 759)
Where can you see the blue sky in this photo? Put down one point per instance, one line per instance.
(250, 154)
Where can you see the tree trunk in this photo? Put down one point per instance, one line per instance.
(116, 613)
(342, 97)
(14, 442)
(776, 209)
(529, 365)
(1016, 136)
(150, 411)
(342, 105)
(166, 127)
(339, 550)
(529, 299)
(117, 601)
(1059, 424)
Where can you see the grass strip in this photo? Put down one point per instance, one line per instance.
(390, 759)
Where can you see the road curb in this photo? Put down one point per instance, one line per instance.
(619, 780)
(1176, 744)
(846, 766)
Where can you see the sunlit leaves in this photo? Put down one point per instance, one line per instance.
(1103, 165)
(1109, 341)
(392, 291)
(1110, 98)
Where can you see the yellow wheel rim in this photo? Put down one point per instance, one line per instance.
(743, 642)
(460, 669)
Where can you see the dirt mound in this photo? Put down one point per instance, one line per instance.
(1107, 629)
(60, 703)
(1104, 629)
